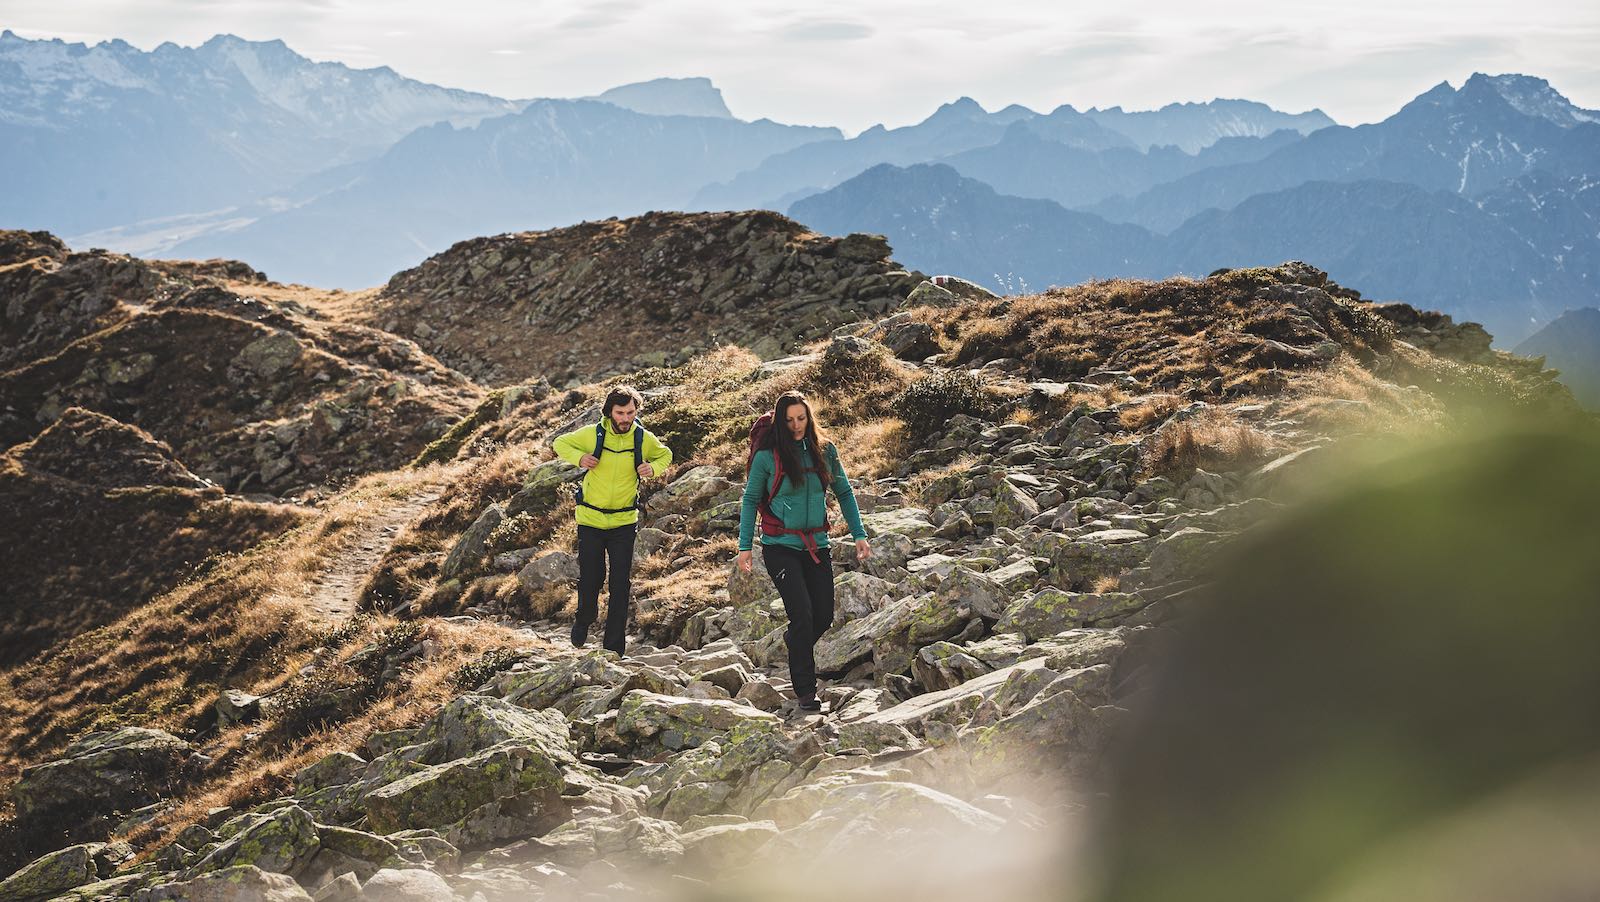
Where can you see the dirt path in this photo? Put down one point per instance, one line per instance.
(338, 587)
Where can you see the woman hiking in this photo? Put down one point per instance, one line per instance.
(787, 492)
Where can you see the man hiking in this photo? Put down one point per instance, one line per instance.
(617, 452)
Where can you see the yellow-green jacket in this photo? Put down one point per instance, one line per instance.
(614, 483)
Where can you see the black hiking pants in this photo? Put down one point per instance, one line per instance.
(806, 587)
(594, 546)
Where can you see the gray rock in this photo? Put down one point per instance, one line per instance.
(237, 706)
(52, 874)
(859, 594)
(1051, 611)
(472, 544)
(549, 569)
(690, 492)
(762, 694)
(911, 522)
(474, 723)
(283, 842)
(678, 723)
(972, 591)
(115, 770)
(268, 356)
(953, 706)
(447, 793)
(408, 885)
(720, 846)
(243, 883)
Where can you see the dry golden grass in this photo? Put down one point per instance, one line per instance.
(241, 626)
(1212, 440)
(1107, 584)
(670, 595)
(870, 450)
(263, 764)
(1149, 411)
(1347, 398)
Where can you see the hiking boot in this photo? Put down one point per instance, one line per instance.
(580, 633)
(810, 703)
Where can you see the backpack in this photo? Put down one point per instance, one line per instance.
(638, 458)
(761, 438)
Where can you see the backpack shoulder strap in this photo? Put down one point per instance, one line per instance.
(638, 444)
(777, 476)
(599, 438)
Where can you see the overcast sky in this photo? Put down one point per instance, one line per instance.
(852, 64)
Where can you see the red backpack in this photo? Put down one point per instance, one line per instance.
(761, 438)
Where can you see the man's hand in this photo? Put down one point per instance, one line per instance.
(646, 471)
(863, 550)
(744, 560)
(589, 462)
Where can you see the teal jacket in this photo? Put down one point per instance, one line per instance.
(798, 507)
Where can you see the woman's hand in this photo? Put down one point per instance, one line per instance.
(744, 561)
(863, 550)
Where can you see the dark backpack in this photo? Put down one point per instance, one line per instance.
(761, 438)
(638, 458)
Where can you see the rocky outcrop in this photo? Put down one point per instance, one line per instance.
(552, 303)
(250, 397)
(101, 516)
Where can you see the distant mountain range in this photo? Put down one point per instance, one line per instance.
(1479, 200)
(1571, 344)
(1483, 202)
(103, 136)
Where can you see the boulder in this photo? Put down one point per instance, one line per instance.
(473, 723)
(1012, 506)
(473, 543)
(1051, 611)
(406, 885)
(911, 522)
(283, 842)
(678, 723)
(549, 569)
(53, 874)
(690, 492)
(236, 706)
(1079, 563)
(243, 883)
(542, 490)
(858, 594)
(953, 706)
(720, 846)
(113, 770)
(446, 793)
(972, 591)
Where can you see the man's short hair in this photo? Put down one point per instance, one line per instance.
(622, 394)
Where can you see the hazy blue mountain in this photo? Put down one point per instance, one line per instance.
(1468, 141)
(1571, 344)
(1430, 248)
(954, 127)
(669, 97)
(555, 163)
(101, 136)
(1193, 126)
(1025, 164)
(939, 221)
(1433, 249)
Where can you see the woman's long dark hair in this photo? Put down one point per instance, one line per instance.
(787, 448)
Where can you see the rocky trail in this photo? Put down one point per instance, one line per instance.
(338, 586)
(979, 667)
